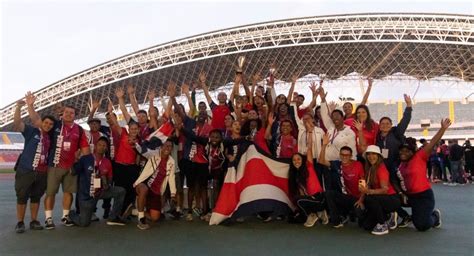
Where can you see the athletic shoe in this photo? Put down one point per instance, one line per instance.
(197, 211)
(189, 217)
(240, 220)
(206, 217)
(405, 222)
(323, 216)
(393, 221)
(20, 227)
(437, 223)
(106, 213)
(127, 211)
(49, 224)
(94, 217)
(341, 224)
(268, 219)
(380, 229)
(116, 222)
(311, 220)
(67, 221)
(35, 225)
(142, 224)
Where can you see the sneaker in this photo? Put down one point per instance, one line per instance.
(393, 221)
(323, 216)
(405, 222)
(437, 222)
(35, 225)
(127, 211)
(268, 219)
(20, 227)
(189, 217)
(49, 224)
(66, 221)
(380, 229)
(311, 220)
(94, 217)
(197, 211)
(240, 220)
(116, 222)
(106, 213)
(142, 224)
(206, 217)
(343, 221)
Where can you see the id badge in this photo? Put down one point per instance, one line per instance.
(42, 159)
(385, 153)
(67, 145)
(96, 182)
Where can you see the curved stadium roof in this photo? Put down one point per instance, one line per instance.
(419, 45)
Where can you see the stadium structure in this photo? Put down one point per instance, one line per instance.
(428, 56)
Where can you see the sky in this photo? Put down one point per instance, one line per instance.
(43, 42)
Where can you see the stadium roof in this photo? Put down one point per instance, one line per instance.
(377, 45)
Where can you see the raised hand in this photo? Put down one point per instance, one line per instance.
(256, 77)
(270, 118)
(358, 125)
(332, 106)
(30, 98)
(20, 103)
(130, 89)
(185, 89)
(172, 89)
(119, 92)
(445, 123)
(151, 95)
(95, 104)
(326, 139)
(202, 78)
(407, 100)
(313, 87)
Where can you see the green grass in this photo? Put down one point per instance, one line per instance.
(6, 171)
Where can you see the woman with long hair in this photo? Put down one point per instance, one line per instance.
(416, 186)
(304, 187)
(365, 127)
(377, 194)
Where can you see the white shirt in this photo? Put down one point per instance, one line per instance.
(303, 136)
(337, 139)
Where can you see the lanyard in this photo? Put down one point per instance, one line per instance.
(334, 135)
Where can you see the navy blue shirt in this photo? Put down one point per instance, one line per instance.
(26, 161)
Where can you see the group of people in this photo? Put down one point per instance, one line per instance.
(343, 165)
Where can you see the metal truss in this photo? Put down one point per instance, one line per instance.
(378, 45)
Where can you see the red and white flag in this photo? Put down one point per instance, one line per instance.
(259, 184)
(153, 142)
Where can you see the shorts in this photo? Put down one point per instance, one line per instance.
(30, 185)
(199, 174)
(58, 176)
(153, 201)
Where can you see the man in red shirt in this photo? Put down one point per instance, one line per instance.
(219, 111)
(349, 172)
(68, 141)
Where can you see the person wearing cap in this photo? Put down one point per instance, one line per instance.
(415, 184)
(378, 196)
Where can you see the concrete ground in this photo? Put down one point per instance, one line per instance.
(250, 238)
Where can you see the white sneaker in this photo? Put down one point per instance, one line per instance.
(393, 221)
(189, 217)
(323, 215)
(311, 220)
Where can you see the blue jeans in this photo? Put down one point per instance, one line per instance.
(422, 206)
(456, 171)
(83, 219)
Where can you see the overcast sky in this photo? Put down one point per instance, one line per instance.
(45, 41)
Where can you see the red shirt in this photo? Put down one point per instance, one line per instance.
(70, 145)
(156, 180)
(218, 115)
(288, 146)
(414, 173)
(45, 146)
(104, 166)
(125, 153)
(145, 131)
(383, 175)
(370, 136)
(312, 183)
(200, 151)
(351, 174)
(301, 112)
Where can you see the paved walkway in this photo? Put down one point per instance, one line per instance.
(250, 238)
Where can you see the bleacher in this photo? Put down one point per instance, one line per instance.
(11, 146)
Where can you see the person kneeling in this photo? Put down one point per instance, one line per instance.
(378, 195)
(305, 189)
(158, 173)
(94, 178)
